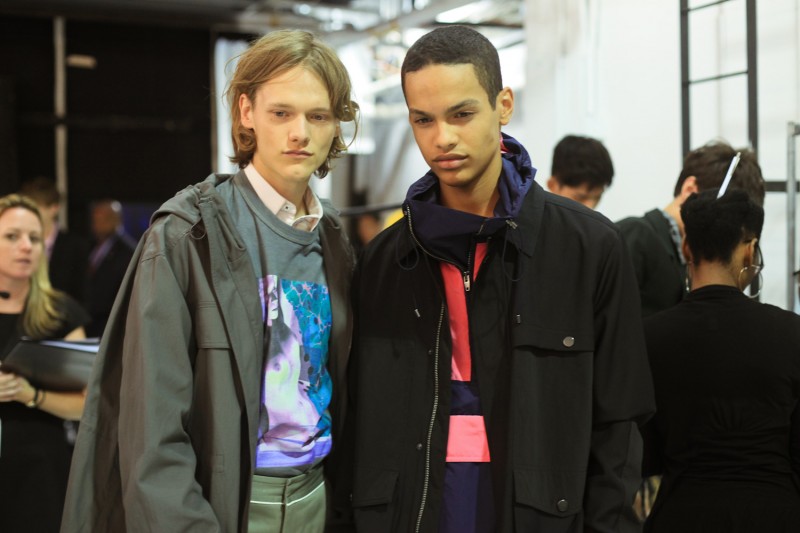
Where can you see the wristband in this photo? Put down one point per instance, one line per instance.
(38, 396)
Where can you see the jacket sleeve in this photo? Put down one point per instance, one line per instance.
(93, 500)
(623, 398)
(794, 442)
(341, 518)
(157, 461)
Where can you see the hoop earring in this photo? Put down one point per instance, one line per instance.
(760, 278)
(760, 284)
(687, 280)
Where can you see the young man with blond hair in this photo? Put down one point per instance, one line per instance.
(218, 395)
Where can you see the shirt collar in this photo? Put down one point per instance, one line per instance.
(675, 234)
(285, 210)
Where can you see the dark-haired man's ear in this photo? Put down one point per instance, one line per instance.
(553, 185)
(689, 186)
(505, 102)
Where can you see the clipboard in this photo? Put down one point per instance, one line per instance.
(56, 365)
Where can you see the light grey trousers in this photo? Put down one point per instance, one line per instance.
(288, 505)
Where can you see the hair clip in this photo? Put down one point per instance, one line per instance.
(729, 175)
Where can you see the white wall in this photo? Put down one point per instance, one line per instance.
(611, 69)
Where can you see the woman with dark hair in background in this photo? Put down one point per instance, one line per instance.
(34, 452)
(726, 369)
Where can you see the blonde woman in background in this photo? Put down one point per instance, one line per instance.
(34, 450)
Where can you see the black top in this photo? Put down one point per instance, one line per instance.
(726, 434)
(34, 451)
(74, 316)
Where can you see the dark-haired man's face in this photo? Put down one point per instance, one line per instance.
(455, 127)
(584, 193)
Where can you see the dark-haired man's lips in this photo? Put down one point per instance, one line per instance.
(450, 162)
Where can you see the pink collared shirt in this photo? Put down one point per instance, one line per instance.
(285, 210)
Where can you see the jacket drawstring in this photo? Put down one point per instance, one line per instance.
(510, 276)
(408, 268)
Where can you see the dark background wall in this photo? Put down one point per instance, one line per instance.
(26, 111)
(138, 123)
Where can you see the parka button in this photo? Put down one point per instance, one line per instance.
(430, 352)
(562, 505)
(419, 446)
(569, 342)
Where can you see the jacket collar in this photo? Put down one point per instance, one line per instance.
(448, 234)
(529, 221)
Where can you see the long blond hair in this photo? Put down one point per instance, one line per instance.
(41, 317)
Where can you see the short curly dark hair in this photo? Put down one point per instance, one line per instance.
(579, 160)
(715, 227)
(457, 45)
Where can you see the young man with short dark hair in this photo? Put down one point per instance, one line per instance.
(581, 170)
(500, 365)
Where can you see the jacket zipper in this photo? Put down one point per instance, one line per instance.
(434, 410)
(465, 274)
(426, 482)
(467, 287)
(467, 282)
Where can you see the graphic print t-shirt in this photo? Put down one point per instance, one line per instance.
(295, 433)
(294, 430)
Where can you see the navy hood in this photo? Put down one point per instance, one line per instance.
(448, 233)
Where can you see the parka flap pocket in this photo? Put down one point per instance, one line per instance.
(373, 486)
(559, 493)
(209, 327)
(563, 340)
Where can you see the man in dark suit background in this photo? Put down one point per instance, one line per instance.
(654, 240)
(66, 252)
(108, 262)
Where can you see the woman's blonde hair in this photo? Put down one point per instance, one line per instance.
(277, 53)
(40, 317)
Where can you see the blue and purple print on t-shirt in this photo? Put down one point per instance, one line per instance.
(294, 426)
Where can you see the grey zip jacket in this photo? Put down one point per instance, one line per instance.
(167, 439)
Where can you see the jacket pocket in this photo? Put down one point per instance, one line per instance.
(209, 327)
(565, 340)
(555, 492)
(373, 486)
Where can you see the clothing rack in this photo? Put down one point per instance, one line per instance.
(793, 131)
(751, 73)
